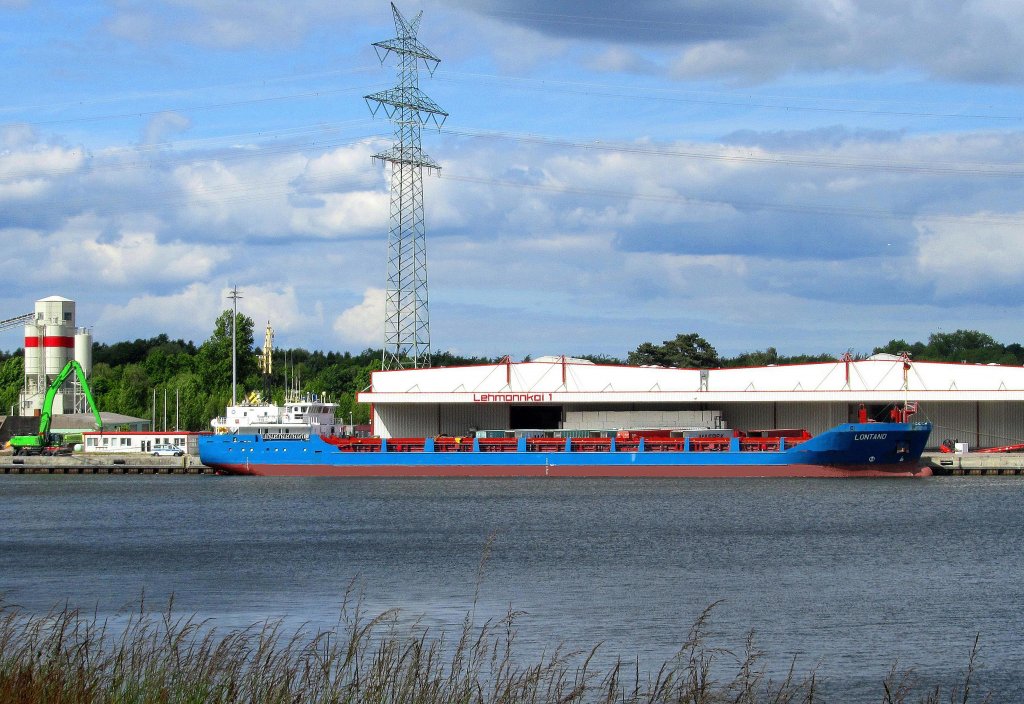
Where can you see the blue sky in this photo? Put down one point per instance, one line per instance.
(815, 177)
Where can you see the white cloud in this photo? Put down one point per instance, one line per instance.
(676, 239)
(16, 136)
(45, 162)
(283, 307)
(345, 167)
(189, 313)
(161, 127)
(139, 258)
(970, 255)
(87, 248)
(231, 24)
(24, 189)
(363, 324)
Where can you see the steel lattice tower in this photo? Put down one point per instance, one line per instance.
(406, 316)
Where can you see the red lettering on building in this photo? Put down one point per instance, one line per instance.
(511, 398)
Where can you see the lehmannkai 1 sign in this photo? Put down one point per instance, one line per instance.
(512, 398)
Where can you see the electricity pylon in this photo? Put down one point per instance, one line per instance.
(406, 315)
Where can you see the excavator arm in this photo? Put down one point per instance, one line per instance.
(42, 437)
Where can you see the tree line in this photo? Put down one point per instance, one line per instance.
(196, 380)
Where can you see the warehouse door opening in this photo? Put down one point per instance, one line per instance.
(535, 417)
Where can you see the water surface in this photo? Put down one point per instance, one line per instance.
(845, 575)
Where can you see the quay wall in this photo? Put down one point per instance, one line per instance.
(103, 464)
(970, 464)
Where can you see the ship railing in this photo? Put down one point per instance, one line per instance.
(499, 444)
(545, 444)
(355, 444)
(759, 444)
(665, 444)
(591, 444)
(467, 444)
(771, 443)
(406, 444)
(458, 444)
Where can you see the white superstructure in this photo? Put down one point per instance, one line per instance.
(299, 416)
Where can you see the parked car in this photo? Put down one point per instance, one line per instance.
(167, 451)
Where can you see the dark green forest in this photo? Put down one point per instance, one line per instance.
(126, 375)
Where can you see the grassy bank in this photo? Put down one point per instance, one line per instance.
(70, 656)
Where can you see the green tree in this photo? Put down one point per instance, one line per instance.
(333, 380)
(600, 359)
(12, 378)
(134, 391)
(686, 351)
(760, 358)
(960, 346)
(965, 346)
(213, 363)
(916, 350)
(193, 398)
(756, 358)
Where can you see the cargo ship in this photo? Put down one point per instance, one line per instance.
(862, 449)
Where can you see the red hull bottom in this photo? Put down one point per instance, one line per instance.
(688, 471)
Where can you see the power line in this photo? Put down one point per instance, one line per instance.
(673, 95)
(166, 161)
(730, 153)
(725, 153)
(189, 91)
(188, 109)
(264, 189)
(740, 204)
(590, 88)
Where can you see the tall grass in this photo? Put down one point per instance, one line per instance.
(67, 656)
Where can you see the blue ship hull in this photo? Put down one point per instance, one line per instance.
(849, 450)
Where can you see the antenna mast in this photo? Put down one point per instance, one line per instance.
(406, 316)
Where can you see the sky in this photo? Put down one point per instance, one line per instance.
(811, 176)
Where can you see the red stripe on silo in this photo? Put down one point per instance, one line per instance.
(31, 342)
(59, 341)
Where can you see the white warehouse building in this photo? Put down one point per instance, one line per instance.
(982, 405)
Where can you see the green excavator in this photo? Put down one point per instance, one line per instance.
(43, 442)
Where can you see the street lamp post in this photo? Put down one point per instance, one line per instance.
(234, 296)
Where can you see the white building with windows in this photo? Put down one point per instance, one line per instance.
(982, 405)
(138, 442)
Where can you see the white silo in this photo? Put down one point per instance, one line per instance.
(50, 342)
(83, 349)
(59, 337)
(33, 350)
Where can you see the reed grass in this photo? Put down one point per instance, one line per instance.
(67, 656)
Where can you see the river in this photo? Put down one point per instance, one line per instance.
(845, 576)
